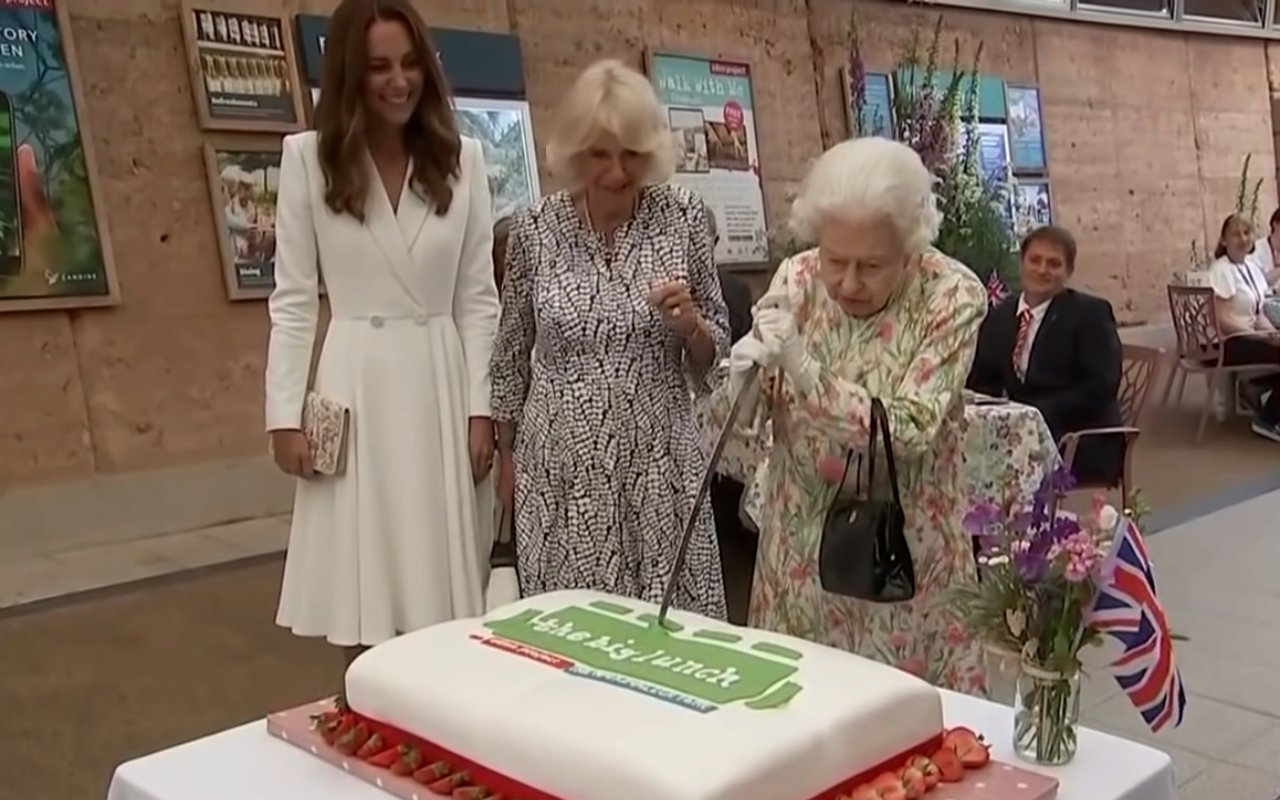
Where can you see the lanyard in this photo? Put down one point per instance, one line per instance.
(1247, 274)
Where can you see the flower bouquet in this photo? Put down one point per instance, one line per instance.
(1040, 569)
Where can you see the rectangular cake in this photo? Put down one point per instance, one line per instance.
(582, 696)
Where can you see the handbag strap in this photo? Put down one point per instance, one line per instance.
(880, 424)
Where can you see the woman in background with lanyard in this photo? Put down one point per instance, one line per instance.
(1248, 337)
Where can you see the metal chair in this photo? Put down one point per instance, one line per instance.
(1139, 368)
(1200, 347)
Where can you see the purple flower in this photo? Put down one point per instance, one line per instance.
(982, 518)
(1031, 562)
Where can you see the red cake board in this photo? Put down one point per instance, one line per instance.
(996, 781)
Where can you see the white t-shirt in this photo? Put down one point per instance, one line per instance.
(1262, 259)
(1242, 286)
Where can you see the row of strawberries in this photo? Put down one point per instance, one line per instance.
(961, 750)
(345, 732)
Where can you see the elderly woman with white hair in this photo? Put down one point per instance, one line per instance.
(611, 309)
(873, 312)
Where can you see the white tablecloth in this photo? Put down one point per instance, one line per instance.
(247, 763)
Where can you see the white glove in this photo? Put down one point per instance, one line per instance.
(746, 358)
(778, 332)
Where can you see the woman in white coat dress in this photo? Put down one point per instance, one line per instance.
(392, 209)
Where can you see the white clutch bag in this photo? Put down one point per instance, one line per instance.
(504, 582)
(326, 424)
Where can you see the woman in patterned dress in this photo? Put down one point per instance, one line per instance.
(872, 312)
(611, 309)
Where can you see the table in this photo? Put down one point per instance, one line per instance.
(1007, 450)
(247, 763)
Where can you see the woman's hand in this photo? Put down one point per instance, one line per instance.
(292, 453)
(776, 327)
(674, 302)
(480, 443)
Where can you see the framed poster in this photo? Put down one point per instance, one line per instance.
(243, 68)
(505, 130)
(55, 251)
(244, 181)
(717, 92)
(1033, 205)
(877, 105)
(1026, 130)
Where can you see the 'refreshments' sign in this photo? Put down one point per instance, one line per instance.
(702, 670)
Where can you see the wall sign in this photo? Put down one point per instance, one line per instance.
(711, 111)
(1026, 130)
(244, 182)
(54, 248)
(243, 73)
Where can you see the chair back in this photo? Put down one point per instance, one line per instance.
(1138, 370)
(1195, 323)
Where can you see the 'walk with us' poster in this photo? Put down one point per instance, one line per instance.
(51, 250)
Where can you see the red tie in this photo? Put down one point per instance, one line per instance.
(1020, 342)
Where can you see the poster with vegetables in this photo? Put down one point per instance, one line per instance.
(53, 249)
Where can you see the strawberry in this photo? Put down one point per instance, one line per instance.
(969, 746)
(949, 766)
(471, 793)
(346, 743)
(408, 762)
(927, 769)
(432, 772)
(386, 758)
(344, 726)
(887, 782)
(913, 783)
(363, 735)
(446, 786)
(371, 747)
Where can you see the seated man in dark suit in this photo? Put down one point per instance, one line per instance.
(1058, 350)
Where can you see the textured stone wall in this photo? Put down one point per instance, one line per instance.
(1145, 135)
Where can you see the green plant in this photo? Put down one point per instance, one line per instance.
(936, 114)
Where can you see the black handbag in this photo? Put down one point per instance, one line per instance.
(864, 552)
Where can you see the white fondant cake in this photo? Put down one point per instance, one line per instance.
(582, 697)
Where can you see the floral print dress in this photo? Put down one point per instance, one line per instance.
(914, 356)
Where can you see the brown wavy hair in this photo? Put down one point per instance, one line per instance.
(431, 135)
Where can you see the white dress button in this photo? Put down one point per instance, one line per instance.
(376, 321)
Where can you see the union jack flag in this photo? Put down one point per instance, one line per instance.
(1127, 609)
(996, 290)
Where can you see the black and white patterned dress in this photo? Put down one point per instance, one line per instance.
(607, 452)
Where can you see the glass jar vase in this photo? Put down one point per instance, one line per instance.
(1046, 715)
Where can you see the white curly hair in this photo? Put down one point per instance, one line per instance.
(870, 175)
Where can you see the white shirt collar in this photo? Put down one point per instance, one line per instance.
(1037, 311)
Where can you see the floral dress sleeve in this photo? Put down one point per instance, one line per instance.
(940, 354)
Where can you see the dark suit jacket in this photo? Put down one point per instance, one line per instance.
(1073, 373)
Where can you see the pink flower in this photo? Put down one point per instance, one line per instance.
(898, 640)
(956, 634)
(913, 665)
(1081, 556)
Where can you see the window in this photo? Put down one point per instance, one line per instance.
(1161, 7)
(1229, 10)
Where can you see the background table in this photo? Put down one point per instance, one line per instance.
(1006, 451)
(247, 763)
